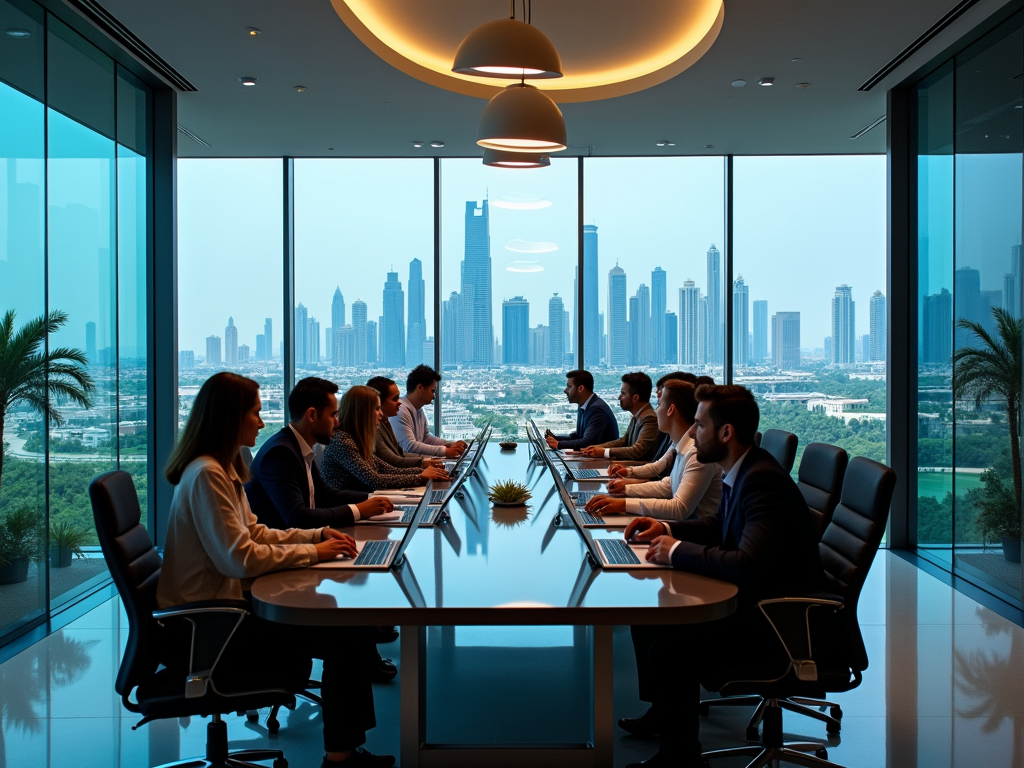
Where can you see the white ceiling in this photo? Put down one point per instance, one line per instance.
(360, 106)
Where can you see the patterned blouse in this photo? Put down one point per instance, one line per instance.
(345, 469)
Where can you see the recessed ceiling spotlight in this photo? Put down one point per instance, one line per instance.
(796, 58)
(803, 86)
(248, 80)
(666, 143)
(766, 81)
(19, 33)
(417, 144)
(253, 31)
(300, 88)
(738, 83)
(709, 146)
(437, 144)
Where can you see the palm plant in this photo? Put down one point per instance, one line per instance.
(993, 369)
(38, 377)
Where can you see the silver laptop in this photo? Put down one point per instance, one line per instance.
(403, 514)
(588, 520)
(379, 554)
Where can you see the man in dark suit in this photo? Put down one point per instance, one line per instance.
(595, 422)
(642, 437)
(761, 539)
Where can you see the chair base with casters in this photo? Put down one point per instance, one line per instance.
(218, 756)
(773, 749)
(797, 704)
(273, 724)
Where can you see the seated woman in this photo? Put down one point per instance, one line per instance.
(386, 445)
(214, 543)
(350, 463)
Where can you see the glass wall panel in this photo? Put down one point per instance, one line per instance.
(364, 268)
(986, 297)
(230, 273)
(653, 268)
(933, 134)
(809, 305)
(509, 252)
(79, 79)
(22, 286)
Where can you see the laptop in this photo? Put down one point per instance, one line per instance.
(442, 495)
(379, 554)
(611, 554)
(588, 520)
(403, 514)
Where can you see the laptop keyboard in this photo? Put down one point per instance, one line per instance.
(374, 553)
(582, 497)
(436, 497)
(407, 513)
(585, 473)
(618, 552)
(588, 518)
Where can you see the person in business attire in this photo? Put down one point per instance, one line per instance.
(761, 538)
(595, 422)
(410, 423)
(387, 446)
(641, 439)
(693, 489)
(215, 545)
(350, 462)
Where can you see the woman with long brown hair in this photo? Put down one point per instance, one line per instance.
(214, 542)
(350, 462)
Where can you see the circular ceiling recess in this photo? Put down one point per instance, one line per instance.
(608, 48)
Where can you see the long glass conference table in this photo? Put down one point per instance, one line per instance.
(506, 629)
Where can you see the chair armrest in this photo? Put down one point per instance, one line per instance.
(790, 617)
(211, 625)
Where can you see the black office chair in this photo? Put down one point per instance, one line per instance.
(781, 445)
(162, 692)
(820, 481)
(820, 633)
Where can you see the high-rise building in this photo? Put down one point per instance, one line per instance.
(465, 338)
(186, 359)
(618, 338)
(261, 347)
(593, 328)
(268, 334)
(450, 329)
(828, 349)
(669, 341)
(1012, 283)
(967, 303)
(990, 299)
(643, 326)
(345, 345)
(301, 323)
(515, 331)
(360, 351)
(476, 272)
(632, 326)
(786, 340)
(716, 313)
(313, 342)
(760, 351)
(937, 328)
(90, 343)
(556, 331)
(393, 347)
(740, 322)
(243, 353)
(337, 323)
(691, 325)
(864, 348)
(539, 345)
(876, 344)
(417, 319)
(231, 343)
(659, 305)
(370, 340)
(844, 337)
(603, 347)
(428, 351)
(213, 351)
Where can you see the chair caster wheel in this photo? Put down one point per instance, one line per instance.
(704, 709)
(752, 734)
(820, 753)
(832, 729)
(273, 726)
(280, 763)
(836, 712)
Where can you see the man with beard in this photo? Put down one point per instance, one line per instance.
(760, 539)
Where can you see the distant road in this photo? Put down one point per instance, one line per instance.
(18, 449)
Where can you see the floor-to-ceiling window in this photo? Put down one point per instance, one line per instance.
(808, 296)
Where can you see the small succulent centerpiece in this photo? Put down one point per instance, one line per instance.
(66, 541)
(509, 493)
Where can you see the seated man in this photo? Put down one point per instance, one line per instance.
(387, 446)
(410, 423)
(286, 489)
(595, 422)
(761, 538)
(694, 489)
(641, 438)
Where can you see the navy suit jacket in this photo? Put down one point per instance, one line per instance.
(594, 424)
(278, 490)
(764, 543)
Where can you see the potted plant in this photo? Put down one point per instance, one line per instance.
(66, 540)
(997, 514)
(19, 543)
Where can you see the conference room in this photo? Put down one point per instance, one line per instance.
(818, 204)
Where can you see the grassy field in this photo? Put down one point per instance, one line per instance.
(938, 484)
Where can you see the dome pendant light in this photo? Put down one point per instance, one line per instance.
(507, 48)
(522, 119)
(498, 159)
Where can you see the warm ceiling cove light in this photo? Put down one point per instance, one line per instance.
(496, 158)
(507, 48)
(253, 31)
(248, 80)
(522, 119)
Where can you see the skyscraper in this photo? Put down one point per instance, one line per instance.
(313, 342)
(937, 333)
(515, 331)
(659, 303)
(450, 329)
(1012, 283)
(90, 343)
(632, 326)
(337, 323)
(592, 328)
(417, 314)
(644, 326)
(186, 359)
(670, 342)
(740, 322)
(556, 331)
(716, 315)
(476, 272)
(967, 303)
(243, 353)
(261, 347)
(301, 323)
(876, 343)
(268, 335)
(393, 333)
(370, 340)
(539, 345)
(345, 343)
(618, 339)
(464, 353)
(786, 340)
(213, 351)
(844, 338)
(231, 343)
(361, 336)
(760, 351)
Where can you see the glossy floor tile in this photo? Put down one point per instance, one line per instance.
(945, 689)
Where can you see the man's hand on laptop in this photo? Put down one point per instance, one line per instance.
(606, 505)
(659, 550)
(429, 461)
(644, 529)
(335, 544)
(454, 450)
(373, 506)
(592, 452)
(434, 473)
(618, 485)
(551, 441)
(617, 470)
